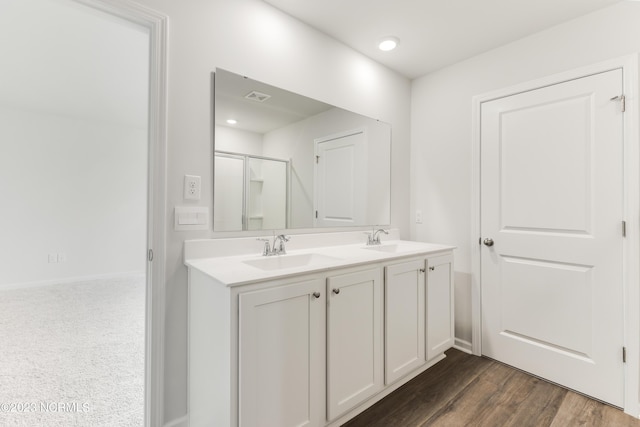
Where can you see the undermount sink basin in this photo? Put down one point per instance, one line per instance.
(394, 247)
(281, 262)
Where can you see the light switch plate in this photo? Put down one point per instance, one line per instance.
(189, 218)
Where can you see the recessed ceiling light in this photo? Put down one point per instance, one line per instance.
(232, 121)
(388, 43)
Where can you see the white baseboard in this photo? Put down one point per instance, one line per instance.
(66, 280)
(463, 345)
(179, 422)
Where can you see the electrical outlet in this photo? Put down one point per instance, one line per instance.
(192, 187)
(418, 216)
(62, 257)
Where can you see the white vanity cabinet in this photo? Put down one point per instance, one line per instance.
(313, 346)
(419, 322)
(440, 323)
(354, 339)
(281, 355)
(405, 318)
(282, 342)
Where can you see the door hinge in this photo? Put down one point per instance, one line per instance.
(623, 102)
(624, 354)
(317, 159)
(624, 228)
(150, 255)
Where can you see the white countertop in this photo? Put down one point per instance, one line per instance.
(237, 270)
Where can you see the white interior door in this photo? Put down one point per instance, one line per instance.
(552, 203)
(341, 180)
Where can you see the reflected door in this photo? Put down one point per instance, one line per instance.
(341, 180)
(552, 200)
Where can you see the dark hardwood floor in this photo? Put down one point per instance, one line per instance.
(465, 390)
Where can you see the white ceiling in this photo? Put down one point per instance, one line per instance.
(62, 57)
(433, 33)
(282, 108)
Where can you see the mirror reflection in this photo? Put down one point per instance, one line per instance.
(254, 191)
(283, 160)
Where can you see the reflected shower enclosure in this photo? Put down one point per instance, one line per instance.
(252, 192)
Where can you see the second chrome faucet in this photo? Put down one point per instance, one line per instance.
(278, 247)
(374, 237)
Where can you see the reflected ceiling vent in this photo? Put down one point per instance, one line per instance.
(257, 96)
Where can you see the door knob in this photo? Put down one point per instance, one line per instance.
(488, 242)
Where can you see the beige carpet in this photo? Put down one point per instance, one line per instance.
(73, 354)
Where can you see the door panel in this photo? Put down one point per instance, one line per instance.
(341, 180)
(440, 317)
(405, 321)
(537, 140)
(567, 317)
(354, 340)
(552, 202)
(280, 355)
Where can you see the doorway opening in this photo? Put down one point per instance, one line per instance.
(81, 116)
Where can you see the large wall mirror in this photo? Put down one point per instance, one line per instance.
(283, 160)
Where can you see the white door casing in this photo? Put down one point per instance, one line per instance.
(552, 203)
(340, 179)
(156, 23)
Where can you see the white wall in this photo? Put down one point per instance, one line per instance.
(441, 121)
(238, 141)
(71, 186)
(73, 142)
(251, 38)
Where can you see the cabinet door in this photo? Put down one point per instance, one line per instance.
(440, 332)
(354, 339)
(404, 292)
(281, 356)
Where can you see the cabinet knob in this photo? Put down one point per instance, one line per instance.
(432, 268)
(316, 295)
(422, 270)
(336, 291)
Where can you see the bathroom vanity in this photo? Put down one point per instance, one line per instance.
(315, 336)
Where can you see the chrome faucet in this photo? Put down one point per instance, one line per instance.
(277, 248)
(374, 237)
(266, 250)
